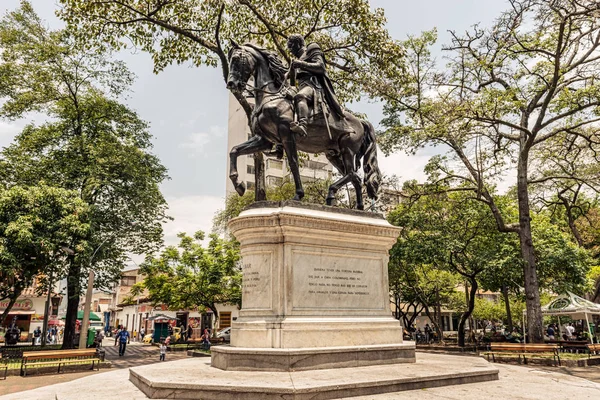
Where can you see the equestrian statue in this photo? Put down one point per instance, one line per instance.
(296, 109)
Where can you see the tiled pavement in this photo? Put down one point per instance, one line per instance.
(135, 354)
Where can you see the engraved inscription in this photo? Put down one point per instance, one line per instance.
(343, 281)
(337, 281)
(256, 280)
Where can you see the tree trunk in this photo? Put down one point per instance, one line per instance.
(73, 291)
(532, 292)
(438, 314)
(465, 316)
(507, 306)
(11, 303)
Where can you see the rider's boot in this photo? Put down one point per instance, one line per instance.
(299, 127)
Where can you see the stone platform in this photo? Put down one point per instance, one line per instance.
(196, 379)
(303, 359)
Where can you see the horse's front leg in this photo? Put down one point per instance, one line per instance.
(289, 145)
(251, 146)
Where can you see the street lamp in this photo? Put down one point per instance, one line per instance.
(88, 296)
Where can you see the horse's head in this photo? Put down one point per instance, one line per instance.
(241, 67)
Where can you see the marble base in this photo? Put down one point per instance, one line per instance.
(252, 359)
(196, 379)
(313, 276)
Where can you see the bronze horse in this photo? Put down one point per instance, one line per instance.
(344, 144)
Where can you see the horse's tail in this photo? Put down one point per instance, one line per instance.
(372, 178)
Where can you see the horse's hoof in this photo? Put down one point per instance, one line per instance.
(298, 196)
(329, 201)
(241, 188)
(360, 207)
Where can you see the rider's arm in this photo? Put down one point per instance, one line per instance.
(315, 66)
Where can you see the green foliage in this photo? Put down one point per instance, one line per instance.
(39, 67)
(93, 145)
(314, 192)
(357, 46)
(194, 276)
(521, 97)
(36, 224)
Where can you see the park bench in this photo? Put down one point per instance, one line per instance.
(593, 349)
(524, 350)
(4, 364)
(60, 357)
(571, 346)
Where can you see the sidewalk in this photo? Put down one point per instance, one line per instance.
(516, 382)
(136, 354)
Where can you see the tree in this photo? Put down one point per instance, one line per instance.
(93, 145)
(452, 233)
(36, 223)
(314, 192)
(194, 276)
(356, 44)
(510, 93)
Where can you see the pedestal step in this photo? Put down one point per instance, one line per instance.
(255, 359)
(196, 379)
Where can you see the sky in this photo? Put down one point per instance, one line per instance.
(187, 108)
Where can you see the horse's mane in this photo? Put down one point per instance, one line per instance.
(275, 65)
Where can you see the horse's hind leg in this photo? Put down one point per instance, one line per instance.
(251, 146)
(347, 166)
(289, 145)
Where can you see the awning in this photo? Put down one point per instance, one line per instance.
(19, 312)
(93, 316)
(571, 304)
(160, 317)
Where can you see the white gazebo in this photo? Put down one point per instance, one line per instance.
(573, 306)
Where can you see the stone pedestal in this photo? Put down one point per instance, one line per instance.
(316, 320)
(315, 291)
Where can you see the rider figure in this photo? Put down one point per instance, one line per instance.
(312, 81)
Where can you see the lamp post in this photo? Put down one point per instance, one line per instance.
(88, 296)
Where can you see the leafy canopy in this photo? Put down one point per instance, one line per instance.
(192, 275)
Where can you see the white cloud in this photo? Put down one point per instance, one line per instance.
(406, 167)
(7, 132)
(190, 214)
(196, 142)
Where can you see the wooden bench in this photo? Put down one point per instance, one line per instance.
(571, 346)
(60, 357)
(524, 350)
(593, 349)
(4, 364)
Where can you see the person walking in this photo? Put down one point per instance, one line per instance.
(37, 336)
(117, 334)
(163, 351)
(124, 338)
(142, 333)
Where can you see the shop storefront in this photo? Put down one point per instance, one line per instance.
(27, 314)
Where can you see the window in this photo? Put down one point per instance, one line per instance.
(275, 164)
(128, 281)
(274, 181)
(224, 319)
(250, 169)
(315, 165)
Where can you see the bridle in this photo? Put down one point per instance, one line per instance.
(244, 59)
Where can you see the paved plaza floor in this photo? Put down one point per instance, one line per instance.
(136, 354)
(516, 382)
